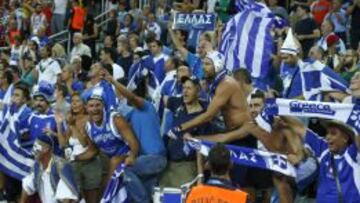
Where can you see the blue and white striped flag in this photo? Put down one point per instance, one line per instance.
(115, 189)
(141, 71)
(317, 78)
(14, 160)
(242, 4)
(247, 42)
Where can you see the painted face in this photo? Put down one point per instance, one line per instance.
(39, 149)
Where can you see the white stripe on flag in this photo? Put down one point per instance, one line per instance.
(259, 47)
(244, 39)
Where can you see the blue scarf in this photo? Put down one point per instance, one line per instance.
(249, 157)
(347, 113)
(212, 88)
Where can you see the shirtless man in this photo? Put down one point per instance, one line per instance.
(225, 95)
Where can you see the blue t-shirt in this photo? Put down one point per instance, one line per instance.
(36, 124)
(348, 168)
(146, 125)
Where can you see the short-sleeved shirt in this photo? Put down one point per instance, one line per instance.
(180, 115)
(146, 125)
(48, 70)
(348, 169)
(306, 27)
(36, 124)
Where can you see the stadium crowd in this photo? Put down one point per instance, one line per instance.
(130, 95)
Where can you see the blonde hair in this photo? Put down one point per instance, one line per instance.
(58, 51)
(70, 68)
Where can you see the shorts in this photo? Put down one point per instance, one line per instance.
(88, 174)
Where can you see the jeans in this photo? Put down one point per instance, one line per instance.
(141, 178)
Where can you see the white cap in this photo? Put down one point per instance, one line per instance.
(290, 46)
(36, 40)
(218, 60)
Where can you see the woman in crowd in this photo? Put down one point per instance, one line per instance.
(58, 53)
(88, 173)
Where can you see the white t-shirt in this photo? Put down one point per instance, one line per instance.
(155, 28)
(37, 20)
(118, 71)
(60, 7)
(46, 193)
(211, 6)
(80, 50)
(15, 55)
(48, 70)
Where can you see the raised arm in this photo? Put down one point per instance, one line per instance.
(183, 51)
(63, 136)
(137, 101)
(222, 95)
(295, 124)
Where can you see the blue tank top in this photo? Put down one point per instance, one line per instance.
(106, 137)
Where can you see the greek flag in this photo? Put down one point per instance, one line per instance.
(317, 78)
(139, 72)
(14, 160)
(242, 4)
(249, 157)
(115, 189)
(346, 113)
(247, 42)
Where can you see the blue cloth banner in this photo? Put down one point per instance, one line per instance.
(199, 21)
(249, 157)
